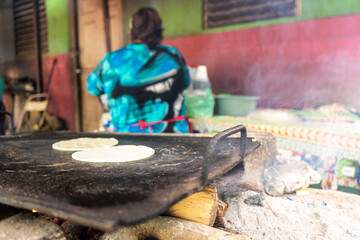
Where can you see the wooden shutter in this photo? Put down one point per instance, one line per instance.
(226, 12)
(25, 29)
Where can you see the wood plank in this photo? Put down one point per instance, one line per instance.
(200, 207)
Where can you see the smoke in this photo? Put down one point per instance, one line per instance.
(306, 79)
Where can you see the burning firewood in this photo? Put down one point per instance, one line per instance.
(222, 207)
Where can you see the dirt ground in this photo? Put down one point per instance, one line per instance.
(321, 214)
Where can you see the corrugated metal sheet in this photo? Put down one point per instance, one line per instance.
(24, 20)
(226, 12)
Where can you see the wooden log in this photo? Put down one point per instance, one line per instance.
(171, 228)
(200, 207)
(222, 207)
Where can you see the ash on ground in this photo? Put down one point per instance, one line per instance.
(322, 214)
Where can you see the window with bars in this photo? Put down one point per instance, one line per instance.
(218, 13)
(27, 26)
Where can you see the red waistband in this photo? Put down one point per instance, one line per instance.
(143, 125)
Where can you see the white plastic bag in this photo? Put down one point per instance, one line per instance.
(287, 177)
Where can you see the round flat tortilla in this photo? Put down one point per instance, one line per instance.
(84, 143)
(123, 153)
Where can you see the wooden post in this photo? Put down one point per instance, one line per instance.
(37, 38)
(105, 6)
(75, 60)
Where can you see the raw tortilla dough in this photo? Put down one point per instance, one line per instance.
(123, 153)
(84, 143)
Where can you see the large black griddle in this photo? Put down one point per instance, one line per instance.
(107, 195)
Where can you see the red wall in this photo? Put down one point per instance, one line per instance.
(292, 65)
(60, 89)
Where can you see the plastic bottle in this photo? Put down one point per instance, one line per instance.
(201, 80)
(192, 73)
(199, 101)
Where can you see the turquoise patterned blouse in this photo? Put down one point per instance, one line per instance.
(143, 83)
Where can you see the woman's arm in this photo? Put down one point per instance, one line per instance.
(186, 72)
(95, 83)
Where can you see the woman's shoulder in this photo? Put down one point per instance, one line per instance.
(128, 49)
(122, 54)
(169, 48)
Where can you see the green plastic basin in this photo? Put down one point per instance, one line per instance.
(235, 105)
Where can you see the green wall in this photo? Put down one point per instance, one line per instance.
(179, 17)
(58, 18)
(184, 18)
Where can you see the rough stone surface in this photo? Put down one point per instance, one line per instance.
(257, 161)
(264, 156)
(251, 169)
(170, 228)
(304, 217)
(26, 226)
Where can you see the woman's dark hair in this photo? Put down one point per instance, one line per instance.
(146, 26)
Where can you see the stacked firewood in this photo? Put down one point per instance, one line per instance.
(199, 216)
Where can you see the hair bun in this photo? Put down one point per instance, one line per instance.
(146, 26)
